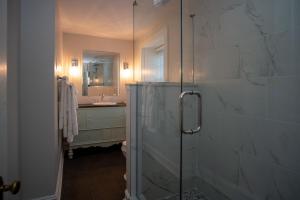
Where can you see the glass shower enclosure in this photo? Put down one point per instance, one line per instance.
(218, 112)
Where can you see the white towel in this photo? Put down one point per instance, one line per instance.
(62, 88)
(68, 106)
(72, 113)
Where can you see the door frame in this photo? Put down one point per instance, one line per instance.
(3, 90)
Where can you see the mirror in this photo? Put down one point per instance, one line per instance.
(100, 73)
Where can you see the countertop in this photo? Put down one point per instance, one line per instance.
(122, 104)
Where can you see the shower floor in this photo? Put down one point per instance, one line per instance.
(193, 194)
(158, 183)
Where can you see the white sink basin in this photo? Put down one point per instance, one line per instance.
(105, 103)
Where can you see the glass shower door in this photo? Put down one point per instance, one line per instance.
(243, 58)
(157, 69)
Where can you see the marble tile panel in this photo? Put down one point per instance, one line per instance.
(273, 142)
(218, 158)
(287, 183)
(244, 97)
(267, 181)
(158, 182)
(283, 97)
(255, 177)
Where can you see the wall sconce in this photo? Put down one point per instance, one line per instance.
(74, 62)
(58, 69)
(126, 72)
(74, 70)
(125, 65)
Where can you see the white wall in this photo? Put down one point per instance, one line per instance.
(75, 44)
(3, 94)
(150, 20)
(58, 65)
(13, 91)
(37, 120)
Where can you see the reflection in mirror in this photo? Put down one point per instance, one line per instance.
(100, 73)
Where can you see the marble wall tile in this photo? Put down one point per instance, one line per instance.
(247, 58)
(265, 142)
(271, 141)
(296, 13)
(296, 43)
(261, 33)
(226, 66)
(284, 95)
(276, 142)
(267, 181)
(237, 96)
(256, 178)
(287, 183)
(218, 158)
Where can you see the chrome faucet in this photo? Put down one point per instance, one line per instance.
(102, 96)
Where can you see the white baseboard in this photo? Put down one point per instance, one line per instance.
(50, 197)
(59, 176)
(57, 194)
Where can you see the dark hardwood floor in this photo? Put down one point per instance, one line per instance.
(94, 174)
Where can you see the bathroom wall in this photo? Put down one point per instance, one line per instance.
(149, 20)
(3, 89)
(58, 41)
(247, 68)
(13, 91)
(58, 63)
(37, 100)
(75, 44)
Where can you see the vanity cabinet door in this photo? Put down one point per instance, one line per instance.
(103, 118)
(99, 126)
(99, 136)
(81, 118)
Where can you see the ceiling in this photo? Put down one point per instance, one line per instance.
(101, 18)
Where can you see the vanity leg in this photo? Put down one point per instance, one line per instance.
(70, 153)
(127, 196)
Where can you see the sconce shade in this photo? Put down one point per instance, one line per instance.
(74, 62)
(125, 65)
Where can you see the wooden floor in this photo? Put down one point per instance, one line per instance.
(94, 174)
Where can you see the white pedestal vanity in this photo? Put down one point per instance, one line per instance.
(99, 125)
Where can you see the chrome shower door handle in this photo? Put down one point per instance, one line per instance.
(181, 97)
